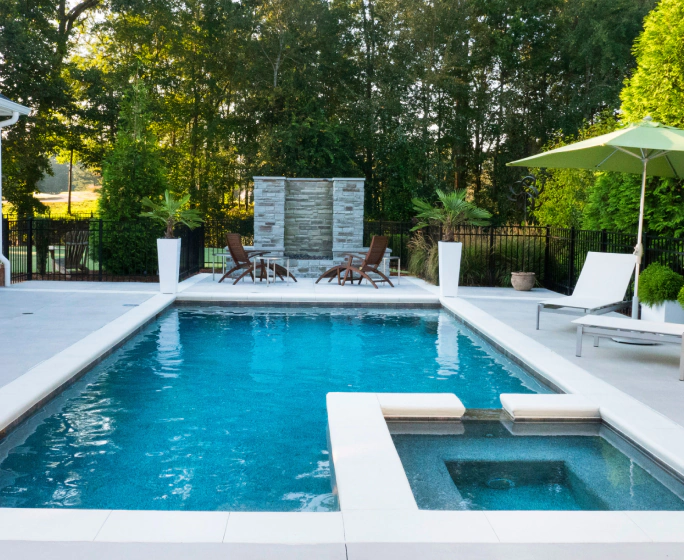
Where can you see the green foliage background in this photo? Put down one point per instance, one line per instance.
(410, 94)
(655, 88)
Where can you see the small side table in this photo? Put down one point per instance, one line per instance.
(267, 261)
(223, 256)
(387, 264)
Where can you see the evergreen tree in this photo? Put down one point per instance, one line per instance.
(133, 171)
(656, 87)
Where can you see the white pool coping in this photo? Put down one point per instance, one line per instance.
(654, 432)
(376, 502)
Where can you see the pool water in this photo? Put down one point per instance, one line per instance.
(214, 408)
(504, 466)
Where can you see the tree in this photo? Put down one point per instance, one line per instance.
(656, 87)
(133, 171)
(35, 43)
(565, 193)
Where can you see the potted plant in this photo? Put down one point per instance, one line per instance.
(170, 212)
(452, 211)
(659, 288)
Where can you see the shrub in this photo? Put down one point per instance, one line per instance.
(423, 258)
(418, 252)
(658, 284)
(680, 297)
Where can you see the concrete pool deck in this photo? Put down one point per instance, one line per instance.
(352, 535)
(647, 373)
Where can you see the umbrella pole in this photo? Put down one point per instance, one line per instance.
(638, 249)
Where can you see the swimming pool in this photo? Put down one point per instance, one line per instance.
(494, 465)
(213, 408)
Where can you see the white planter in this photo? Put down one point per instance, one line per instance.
(668, 312)
(168, 252)
(449, 267)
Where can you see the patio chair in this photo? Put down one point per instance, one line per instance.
(365, 264)
(600, 289)
(243, 260)
(75, 257)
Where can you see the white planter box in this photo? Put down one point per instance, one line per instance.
(449, 267)
(668, 312)
(168, 253)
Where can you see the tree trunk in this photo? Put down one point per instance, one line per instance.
(71, 175)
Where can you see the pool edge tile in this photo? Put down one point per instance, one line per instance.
(417, 526)
(565, 527)
(172, 526)
(43, 524)
(660, 526)
(285, 528)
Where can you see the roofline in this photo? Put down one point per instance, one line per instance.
(14, 107)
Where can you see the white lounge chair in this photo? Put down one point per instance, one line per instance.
(600, 289)
(608, 327)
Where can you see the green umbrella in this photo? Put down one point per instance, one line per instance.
(647, 147)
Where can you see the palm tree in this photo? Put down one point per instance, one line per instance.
(454, 211)
(171, 211)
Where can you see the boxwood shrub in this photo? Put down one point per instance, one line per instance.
(658, 284)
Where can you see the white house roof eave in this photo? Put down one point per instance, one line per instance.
(8, 107)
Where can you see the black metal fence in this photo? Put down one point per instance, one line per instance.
(556, 255)
(93, 249)
(399, 234)
(88, 248)
(215, 236)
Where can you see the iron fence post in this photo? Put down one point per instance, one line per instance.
(99, 251)
(5, 236)
(201, 257)
(491, 256)
(604, 241)
(29, 249)
(547, 255)
(571, 263)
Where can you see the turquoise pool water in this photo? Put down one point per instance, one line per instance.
(504, 466)
(224, 408)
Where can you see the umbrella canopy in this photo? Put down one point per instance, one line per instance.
(647, 147)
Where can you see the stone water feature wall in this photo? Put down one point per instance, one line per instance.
(313, 221)
(308, 218)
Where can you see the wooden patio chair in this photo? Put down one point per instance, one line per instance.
(76, 244)
(363, 265)
(243, 261)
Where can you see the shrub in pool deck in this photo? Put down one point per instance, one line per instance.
(680, 297)
(658, 284)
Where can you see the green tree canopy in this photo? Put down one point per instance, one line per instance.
(413, 95)
(133, 171)
(656, 87)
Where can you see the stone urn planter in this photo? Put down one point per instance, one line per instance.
(449, 267)
(523, 281)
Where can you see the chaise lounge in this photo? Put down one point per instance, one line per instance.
(243, 260)
(600, 289)
(360, 264)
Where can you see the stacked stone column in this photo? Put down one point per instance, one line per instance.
(347, 215)
(269, 214)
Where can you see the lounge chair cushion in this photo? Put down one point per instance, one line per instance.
(421, 405)
(549, 407)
